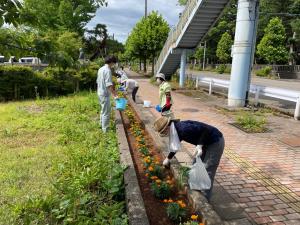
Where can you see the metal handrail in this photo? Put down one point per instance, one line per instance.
(175, 33)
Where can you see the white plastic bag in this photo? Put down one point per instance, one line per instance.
(174, 142)
(198, 176)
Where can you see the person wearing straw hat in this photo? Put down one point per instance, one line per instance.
(130, 85)
(208, 141)
(165, 99)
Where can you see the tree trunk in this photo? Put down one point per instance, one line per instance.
(153, 61)
(145, 65)
(16, 91)
(77, 86)
(140, 64)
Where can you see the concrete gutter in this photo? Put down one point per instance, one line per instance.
(136, 210)
(196, 199)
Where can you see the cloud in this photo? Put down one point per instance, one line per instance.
(120, 16)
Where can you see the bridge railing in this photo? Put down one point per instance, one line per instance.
(175, 33)
(257, 90)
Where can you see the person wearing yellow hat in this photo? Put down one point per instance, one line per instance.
(209, 142)
(165, 99)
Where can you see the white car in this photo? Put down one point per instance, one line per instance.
(30, 60)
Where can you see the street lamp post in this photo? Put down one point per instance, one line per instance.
(146, 3)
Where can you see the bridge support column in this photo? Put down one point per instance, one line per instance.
(243, 52)
(182, 68)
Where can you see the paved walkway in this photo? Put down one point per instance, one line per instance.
(260, 173)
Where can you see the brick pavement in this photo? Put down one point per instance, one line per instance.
(261, 173)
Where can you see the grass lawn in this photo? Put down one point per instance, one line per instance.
(56, 167)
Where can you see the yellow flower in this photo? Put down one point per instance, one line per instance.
(194, 217)
(181, 204)
(170, 201)
(150, 169)
(158, 181)
(154, 178)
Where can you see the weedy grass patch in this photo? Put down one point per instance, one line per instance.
(57, 167)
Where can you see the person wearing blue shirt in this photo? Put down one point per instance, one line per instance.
(209, 142)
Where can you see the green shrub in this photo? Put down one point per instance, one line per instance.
(251, 123)
(17, 82)
(20, 82)
(264, 72)
(221, 68)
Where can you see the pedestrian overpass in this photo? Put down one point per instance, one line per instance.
(195, 22)
(198, 17)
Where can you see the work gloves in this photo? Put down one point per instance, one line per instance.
(166, 163)
(198, 151)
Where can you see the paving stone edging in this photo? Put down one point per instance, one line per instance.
(136, 210)
(197, 200)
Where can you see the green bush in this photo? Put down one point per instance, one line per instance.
(221, 69)
(251, 123)
(264, 72)
(20, 82)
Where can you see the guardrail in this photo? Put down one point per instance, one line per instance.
(257, 90)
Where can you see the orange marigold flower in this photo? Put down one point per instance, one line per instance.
(194, 217)
(154, 177)
(166, 200)
(201, 223)
(147, 174)
(158, 181)
(170, 201)
(150, 169)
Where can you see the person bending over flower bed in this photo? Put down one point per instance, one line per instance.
(209, 142)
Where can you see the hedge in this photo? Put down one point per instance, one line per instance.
(20, 82)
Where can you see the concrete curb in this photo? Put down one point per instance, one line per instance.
(196, 199)
(136, 210)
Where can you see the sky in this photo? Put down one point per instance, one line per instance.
(120, 16)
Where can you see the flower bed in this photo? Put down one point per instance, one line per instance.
(164, 202)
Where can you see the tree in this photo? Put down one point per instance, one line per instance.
(72, 15)
(272, 46)
(9, 11)
(96, 41)
(182, 2)
(148, 38)
(227, 24)
(224, 48)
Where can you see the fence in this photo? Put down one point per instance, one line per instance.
(277, 93)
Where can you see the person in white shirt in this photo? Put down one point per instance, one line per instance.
(105, 89)
(131, 86)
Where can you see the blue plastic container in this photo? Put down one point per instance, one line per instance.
(121, 104)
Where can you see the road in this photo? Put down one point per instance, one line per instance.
(282, 105)
(284, 84)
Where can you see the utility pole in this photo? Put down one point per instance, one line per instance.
(204, 55)
(243, 52)
(146, 10)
